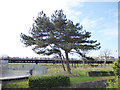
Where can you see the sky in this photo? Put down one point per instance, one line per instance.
(100, 18)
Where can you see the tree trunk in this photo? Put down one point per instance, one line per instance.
(62, 63)
(101, 63)
(67, 63)
(75, 64)
(105, 62)
(72, 63)
(83, 63)
(63, 66)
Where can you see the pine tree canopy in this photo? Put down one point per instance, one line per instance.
(55, 33)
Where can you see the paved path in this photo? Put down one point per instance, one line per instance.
(14, 74)
(15, 77)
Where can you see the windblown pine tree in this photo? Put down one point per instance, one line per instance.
(50, 35)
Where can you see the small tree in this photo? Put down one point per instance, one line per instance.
(58, 32)
(105, 54)
(82, 53)
(84, 57)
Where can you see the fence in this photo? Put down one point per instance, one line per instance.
(56, 61)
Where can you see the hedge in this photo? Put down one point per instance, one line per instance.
(100, 73)
(49, 81)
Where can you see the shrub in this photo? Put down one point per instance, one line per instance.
(49, 81)
(116, 69)
(111, 84)
(100, 73)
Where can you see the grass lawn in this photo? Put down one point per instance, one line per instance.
(84, 78)
(21, 84)
(78, 74)
(75, 80)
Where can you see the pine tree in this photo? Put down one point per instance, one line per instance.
(58, 32)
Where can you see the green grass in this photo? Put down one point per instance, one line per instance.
(84, 78)
(74, 80)
(79, 74)
(21, 84)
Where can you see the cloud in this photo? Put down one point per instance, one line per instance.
(17, 17)
(73, 15)
(96, 0)
(89, 24)
(99, 0)
(73, 3)
(109, 33)
(78, 13)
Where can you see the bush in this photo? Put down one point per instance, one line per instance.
(116, 69)
(115, 84)
(49, 81)
(100, 73)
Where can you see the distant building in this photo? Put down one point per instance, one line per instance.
(106, 57)
(102, 58)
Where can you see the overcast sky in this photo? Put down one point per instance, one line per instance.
(16, 17)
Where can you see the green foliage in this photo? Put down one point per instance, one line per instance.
(116, 69)
(100, 73)
(57, 32)
(115, 84)
(49, 81)
(51, 35)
